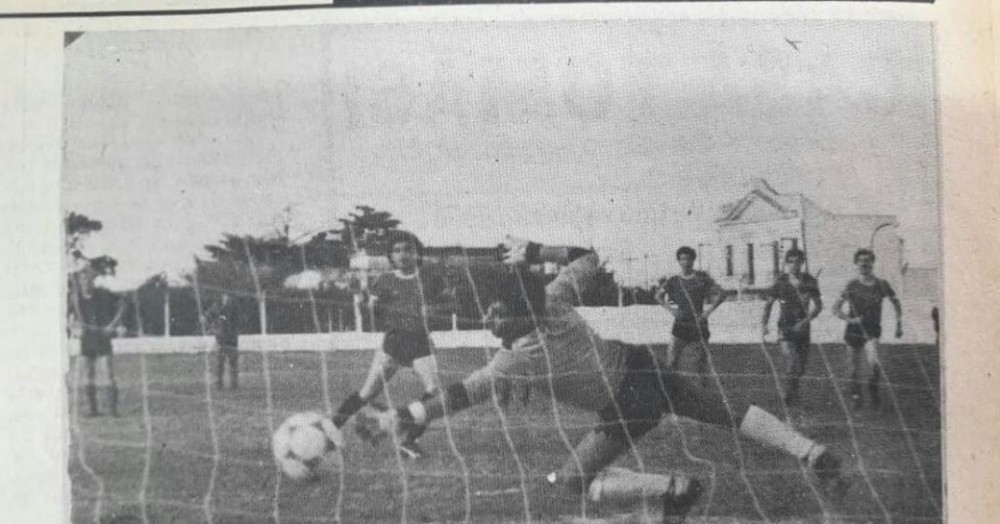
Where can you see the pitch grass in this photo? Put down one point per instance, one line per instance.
(169, 479)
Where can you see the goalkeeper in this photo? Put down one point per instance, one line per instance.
(549, 344)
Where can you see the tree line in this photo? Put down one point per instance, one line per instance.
(254, 268)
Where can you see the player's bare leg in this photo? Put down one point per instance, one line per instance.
(701, 366)
(589, 473)
(427, 369)
(382, 369)
(674, 352)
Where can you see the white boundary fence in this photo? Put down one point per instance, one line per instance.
(732, 323)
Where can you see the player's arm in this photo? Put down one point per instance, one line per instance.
(765, 318)
(110, 328)
(817, 306)
(897, 307)
(661, 296)
(442, 303)
(718, 297)
(577, 275)
(838, 309)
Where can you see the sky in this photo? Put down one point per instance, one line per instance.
(623, 135)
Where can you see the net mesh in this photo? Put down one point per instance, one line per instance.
(184, 450)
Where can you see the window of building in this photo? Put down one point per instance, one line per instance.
(729, 260)
(750, 272)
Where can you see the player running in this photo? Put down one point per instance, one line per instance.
(684, 297)
(549, 344)
(798, 294)
(864, 296)
(402, 299)
(94, 317)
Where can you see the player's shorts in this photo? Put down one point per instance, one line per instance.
(93, 345)
(638, 403)
(854, 335)
(406, 346)
(227, 343)
(691, 332)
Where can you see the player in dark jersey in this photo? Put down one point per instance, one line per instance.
(798, 294)
(404, 300)
(94, 317)
(549, 344)
(224, 319)
(684, 296)
(863, 296)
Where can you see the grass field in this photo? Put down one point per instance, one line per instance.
(163, 461)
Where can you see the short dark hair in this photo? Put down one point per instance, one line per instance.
(795, 252)
(685, 250)
(522, 292)
(863, 252)
(396, 236)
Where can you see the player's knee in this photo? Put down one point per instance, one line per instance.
(457, 397)
(570, 479)
(629, 430)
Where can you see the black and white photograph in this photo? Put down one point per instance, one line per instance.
(566, 271)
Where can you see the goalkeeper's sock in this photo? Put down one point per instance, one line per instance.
(765, 428)
(622, 486)
(347, 409)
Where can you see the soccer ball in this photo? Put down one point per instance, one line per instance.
(307, 446)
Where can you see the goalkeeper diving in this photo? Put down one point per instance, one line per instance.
(548, 344)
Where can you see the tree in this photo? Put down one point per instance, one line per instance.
(78, 227)
(366, 228)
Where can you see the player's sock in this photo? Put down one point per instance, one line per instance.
(765, 428)
(347, 409)
(91, 391)
(873, 392)
(792, 393)
(113, 399)
(220, 367)
(622, 486)
(856, 396)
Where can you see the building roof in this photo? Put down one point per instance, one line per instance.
(779, 205)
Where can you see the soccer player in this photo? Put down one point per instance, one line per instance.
(548, 343)
(863, 296)
(798, 294)
(94, 317)
(403, 298)
(684, 297)
(224, 319)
